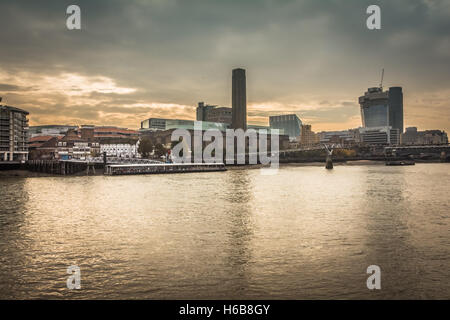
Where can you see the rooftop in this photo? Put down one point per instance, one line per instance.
(14, 109)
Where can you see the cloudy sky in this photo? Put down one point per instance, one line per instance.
(157, 58)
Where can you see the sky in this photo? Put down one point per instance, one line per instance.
(137, 59)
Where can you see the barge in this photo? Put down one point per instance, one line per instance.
(400, 163)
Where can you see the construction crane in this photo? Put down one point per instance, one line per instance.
(382, 77)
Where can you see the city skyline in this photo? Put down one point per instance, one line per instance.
(123, 70)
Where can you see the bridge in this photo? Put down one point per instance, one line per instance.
(426, 151)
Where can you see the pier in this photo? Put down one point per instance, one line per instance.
(122, 169)
(72, 167)
(63, 167)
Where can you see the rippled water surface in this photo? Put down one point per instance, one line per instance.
(303, 233)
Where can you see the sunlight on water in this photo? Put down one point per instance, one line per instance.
(306, 232)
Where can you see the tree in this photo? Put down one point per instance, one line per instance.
(160, 150)
(174, 143)
(95, 153)
(145, 147)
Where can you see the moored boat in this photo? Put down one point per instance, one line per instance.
(400, 163)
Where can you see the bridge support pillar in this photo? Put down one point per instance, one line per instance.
(329, 163)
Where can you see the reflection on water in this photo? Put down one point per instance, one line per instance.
(304, 233)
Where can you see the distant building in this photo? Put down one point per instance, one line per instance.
(375, 108)
(290, 125)
(307, 136)
(78, 144)
(396, 108)
(43, 147)
(382, 108)
(155, 124)
(79, 150)
(257, 127)
(350, 136)
(120, 148)
(432, 137)
(13, 134)
(102, 132)
(239, 100)
(212, 113)
(90, 131)
(410, 136)
(220, 115)
(379, 136)
(87, 132)
(158, 136)
(50, 130)
(427, 137)
(267, 130)
(202, 111)
(82, 142)
(85, 149)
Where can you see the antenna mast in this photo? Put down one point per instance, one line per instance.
(382, 77)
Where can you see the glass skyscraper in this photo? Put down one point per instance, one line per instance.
(396, 108)
(288, 124)
(382, 108)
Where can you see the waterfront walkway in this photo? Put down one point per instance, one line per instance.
(122, 169)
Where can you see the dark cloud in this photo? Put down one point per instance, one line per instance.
(4, 87)
(297, 53)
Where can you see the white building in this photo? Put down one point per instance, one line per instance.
(118, 149)
(79, 150)
(346, 136)
(380, 136)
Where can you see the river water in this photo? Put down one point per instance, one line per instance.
(304, 233)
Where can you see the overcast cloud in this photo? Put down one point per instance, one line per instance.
(138, 59)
